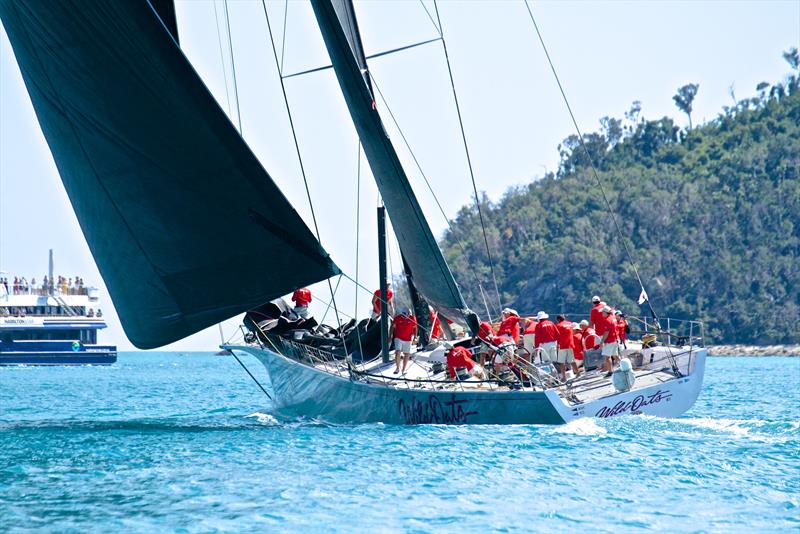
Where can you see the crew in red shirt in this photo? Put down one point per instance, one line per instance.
(459, 357)
(436, 325)
(546, 336)
(529, 335)
(577, 344)
(301, 298)
(622, 328)
(595, 314)
(376, 302)
(404, 328)
(607, 330)
(565, 354)
(509, 324)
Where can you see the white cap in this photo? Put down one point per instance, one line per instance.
(584, 323)
(512, 311)
(605, 309)
(576, 326)
(595, 299)
(541, 316)
(618, 312)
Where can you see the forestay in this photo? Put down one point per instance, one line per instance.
(432, 275)
(185, 225)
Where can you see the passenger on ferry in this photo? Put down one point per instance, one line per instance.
(404, 330)
(301, 298)
(529, 335)
(565, 354)
(510, 324)
(577, 347)
(622, 328)
(461, 357)
(376, 302)
(91, 313)
(99, 313)
(607, 330)
(546, 336)
(595, 314)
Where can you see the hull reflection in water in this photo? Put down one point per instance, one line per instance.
(300, 389)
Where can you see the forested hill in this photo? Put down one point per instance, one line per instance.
(711, 216)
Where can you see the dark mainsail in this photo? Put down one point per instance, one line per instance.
(185, 225)
(432, 276)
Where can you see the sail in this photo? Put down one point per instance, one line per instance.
(432, 276)
(185, 225)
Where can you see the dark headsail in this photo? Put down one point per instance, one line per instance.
(432, 276)
(185, 225)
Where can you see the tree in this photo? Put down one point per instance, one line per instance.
(684, 99)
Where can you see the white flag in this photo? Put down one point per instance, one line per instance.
(642, 297)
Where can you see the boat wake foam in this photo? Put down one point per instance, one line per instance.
(586, 426)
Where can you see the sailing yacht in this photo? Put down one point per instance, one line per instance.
(159, 177)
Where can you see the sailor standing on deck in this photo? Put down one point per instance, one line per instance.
(301, 298)
(546, 336)
(595, 315)
(566, 344)
(607, 330)
(509, 326)
(404, 330)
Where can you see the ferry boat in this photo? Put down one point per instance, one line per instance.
(48, 326)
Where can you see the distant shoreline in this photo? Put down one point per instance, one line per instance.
(754, 350)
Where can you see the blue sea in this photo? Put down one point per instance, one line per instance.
(174, 442)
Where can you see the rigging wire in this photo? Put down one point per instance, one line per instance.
(297, 150)
(283, 36)
(222, 60)
(430, 187)
(233, 67)
(469, 160)
(599, 183)
(427, 12)
(358, 237)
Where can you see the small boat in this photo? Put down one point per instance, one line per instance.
(172, 200)
(52, 326)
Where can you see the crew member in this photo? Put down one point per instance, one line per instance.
(404, 330)
(301, 298)
(461, 357)
(565, 354)
(436, 325)
(376, 302)
(546, 335)
(510, 324)
(529, 335)
(622, 328)
(577, 348)
(485, 339)
(607, 330)
(595, 314)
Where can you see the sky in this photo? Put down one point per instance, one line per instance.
(608, 54)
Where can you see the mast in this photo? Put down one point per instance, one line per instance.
(384, 289)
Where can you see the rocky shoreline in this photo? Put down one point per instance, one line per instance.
(754, 350)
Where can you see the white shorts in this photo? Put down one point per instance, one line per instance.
(301, 311)
(565, 356)
(402, 346)
(610, 349)
(527, 342)
(548, 351)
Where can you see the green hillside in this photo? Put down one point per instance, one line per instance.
(711, 216)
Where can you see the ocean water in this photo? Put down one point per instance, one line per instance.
(171, 442)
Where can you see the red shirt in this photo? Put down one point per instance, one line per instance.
(436, 326)
(595, 316)
(510, 326)
(404, 327)
(621, 324)
(485, 331)
(607, 324)
(546, 332)
(376, 300)
(577, 344)
(589, 339)
(302, 297)
(499, 340)
(565, 334)
(459, 357)
(531, 328)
